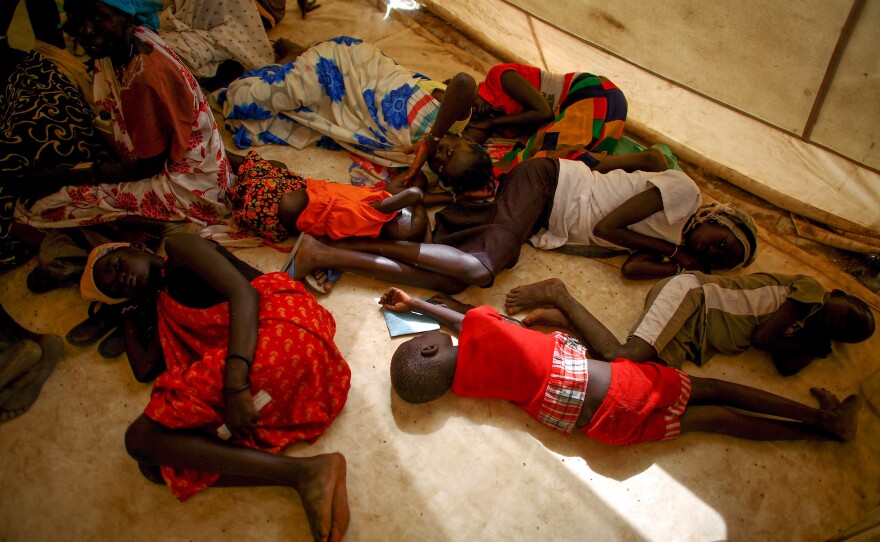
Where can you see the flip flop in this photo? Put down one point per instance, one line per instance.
(332, 274)
(113, 345)
(101, 320)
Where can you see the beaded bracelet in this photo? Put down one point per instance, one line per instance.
(239, 356)
(432, 137)
(230, 391)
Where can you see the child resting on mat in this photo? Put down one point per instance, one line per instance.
(552, 378)
(275, 202)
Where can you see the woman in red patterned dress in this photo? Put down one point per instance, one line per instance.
(248, 367)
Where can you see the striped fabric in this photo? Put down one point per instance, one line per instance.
(587, 127)
(674, 411)
(567, 387)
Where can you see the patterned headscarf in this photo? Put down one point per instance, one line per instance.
(144, 11)
(738, 222)
(88, 289)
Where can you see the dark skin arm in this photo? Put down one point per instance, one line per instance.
(142, 341)
(536, 109)
(457, 102)
(613, 228)
(36, 184)
(791, 352)
(200, 255)
(396, 300)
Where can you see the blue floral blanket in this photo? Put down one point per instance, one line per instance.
(343, 89)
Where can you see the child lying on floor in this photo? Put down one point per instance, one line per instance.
(274, 202)
(552, 378)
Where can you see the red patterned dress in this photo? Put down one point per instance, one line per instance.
(296, 363)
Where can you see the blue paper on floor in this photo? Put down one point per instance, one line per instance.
(407, 323)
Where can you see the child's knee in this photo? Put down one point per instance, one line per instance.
(152, 473)
(138, 437)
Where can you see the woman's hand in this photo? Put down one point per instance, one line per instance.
(241, 415)
(396, 300)
(423, 149)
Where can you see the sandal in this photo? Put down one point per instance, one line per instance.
(113, 345)
(310, 280)
(102, 319)
(40, 281)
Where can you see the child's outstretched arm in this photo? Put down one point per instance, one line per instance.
(396, 300)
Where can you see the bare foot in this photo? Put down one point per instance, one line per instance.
(22, 392)
(546, 292)
(20, 357)
(827, 400)
(321, 487)
(546, 317)
(307, 257)
(322, 279)
(842, 420)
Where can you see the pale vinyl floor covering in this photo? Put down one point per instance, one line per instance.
(455, 469)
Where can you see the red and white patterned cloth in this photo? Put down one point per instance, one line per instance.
(567, 388)
(155, 107)
(296, 363)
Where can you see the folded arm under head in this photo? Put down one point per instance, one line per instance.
(842, 317)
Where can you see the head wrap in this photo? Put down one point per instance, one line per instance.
(87, 287)
(144, 11)
(738, 222)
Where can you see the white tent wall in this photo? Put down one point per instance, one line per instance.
(732, 86)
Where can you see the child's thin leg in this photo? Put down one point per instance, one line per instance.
(314, 255)
(320, 480)
(839, 419)
(441, 259)
(726, 421)
(601, 342)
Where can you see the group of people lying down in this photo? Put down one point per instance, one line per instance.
(244, 363)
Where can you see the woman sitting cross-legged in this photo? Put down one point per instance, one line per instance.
(239, 355)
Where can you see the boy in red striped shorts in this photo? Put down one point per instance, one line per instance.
(552, 378)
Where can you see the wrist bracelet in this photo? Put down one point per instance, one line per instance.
(432, 137)
(230, 391)
(238, 356)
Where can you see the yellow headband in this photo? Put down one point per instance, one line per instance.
(87, 287)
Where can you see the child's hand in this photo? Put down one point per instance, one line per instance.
(396, 300)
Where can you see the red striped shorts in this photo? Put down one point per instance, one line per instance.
(644, 403)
